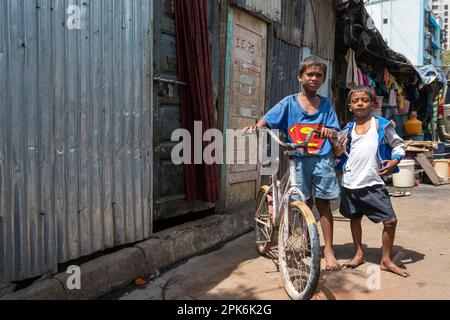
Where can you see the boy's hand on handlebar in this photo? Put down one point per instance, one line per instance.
(250, 129)
(255, 127)
(328, 133)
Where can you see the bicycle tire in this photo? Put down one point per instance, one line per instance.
(263, 222)
(299, 258)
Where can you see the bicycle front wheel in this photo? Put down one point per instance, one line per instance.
(298, 254)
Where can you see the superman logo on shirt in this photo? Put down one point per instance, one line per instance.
(299, 132)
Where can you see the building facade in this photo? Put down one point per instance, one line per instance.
(441, 8)
(420, 42)
(90, 96)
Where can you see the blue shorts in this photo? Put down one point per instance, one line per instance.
(316, 177)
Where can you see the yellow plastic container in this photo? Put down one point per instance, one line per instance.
(413, 127)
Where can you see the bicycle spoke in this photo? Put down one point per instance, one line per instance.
(296, 247)
(263, 223)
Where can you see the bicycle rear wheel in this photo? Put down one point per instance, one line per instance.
(298, 255)
(263, 220)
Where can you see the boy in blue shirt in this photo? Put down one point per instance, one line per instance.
(296, 115)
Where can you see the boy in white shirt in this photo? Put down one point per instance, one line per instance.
(373, 150)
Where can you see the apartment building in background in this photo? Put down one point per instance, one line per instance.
(441, 8)
(420, 41)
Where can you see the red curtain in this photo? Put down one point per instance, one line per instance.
(194, 68)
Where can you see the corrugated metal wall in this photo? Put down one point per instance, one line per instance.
(75, 130)
(291, 27)
(319, 37)
(267, 9)
(320, 27)
(284, 52)
(300, 34)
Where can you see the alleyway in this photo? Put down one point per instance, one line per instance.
(237, 272)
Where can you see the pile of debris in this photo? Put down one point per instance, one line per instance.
(421, 151)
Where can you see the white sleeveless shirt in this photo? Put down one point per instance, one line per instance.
(363, 164)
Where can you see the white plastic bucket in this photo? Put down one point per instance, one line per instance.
(405, 178)
(441, 167)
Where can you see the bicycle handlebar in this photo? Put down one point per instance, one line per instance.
(291, 146)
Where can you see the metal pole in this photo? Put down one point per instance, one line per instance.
(381, 17)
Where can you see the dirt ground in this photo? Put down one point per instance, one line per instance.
(236, 271)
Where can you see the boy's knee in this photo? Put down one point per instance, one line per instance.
(323, 206)
(391, 223)
(322, 203)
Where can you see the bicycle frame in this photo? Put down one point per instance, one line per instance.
(298, 236)
(283, 190)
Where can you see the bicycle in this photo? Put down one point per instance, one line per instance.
(298, 236)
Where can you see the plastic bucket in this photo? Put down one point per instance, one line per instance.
(449, 168)
(441, 167)
(405, 178)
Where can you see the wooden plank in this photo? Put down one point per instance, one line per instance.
(415, 149)
(243, 177)
(428, 168)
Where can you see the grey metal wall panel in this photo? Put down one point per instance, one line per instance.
(320, 26)
(75, 131)
(282, 65)
(268, 9)
(291, 27)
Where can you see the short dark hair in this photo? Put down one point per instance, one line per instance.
(312, 61)
(361, 89)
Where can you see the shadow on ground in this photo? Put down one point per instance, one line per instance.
(400, 254)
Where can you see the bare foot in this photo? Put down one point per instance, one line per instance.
(356, 261)
(392, 267)
(331, 262)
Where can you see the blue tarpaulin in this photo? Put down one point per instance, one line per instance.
(434, 22)
(431, 73)
(435, 45)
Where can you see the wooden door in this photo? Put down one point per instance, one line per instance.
(246, 46)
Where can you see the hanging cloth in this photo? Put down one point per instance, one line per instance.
(400, 95)
(386, 77)
(194, 68)
(360, 77)
(392, 98)
(352, 78)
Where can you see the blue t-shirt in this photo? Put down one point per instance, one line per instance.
(296, 123)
